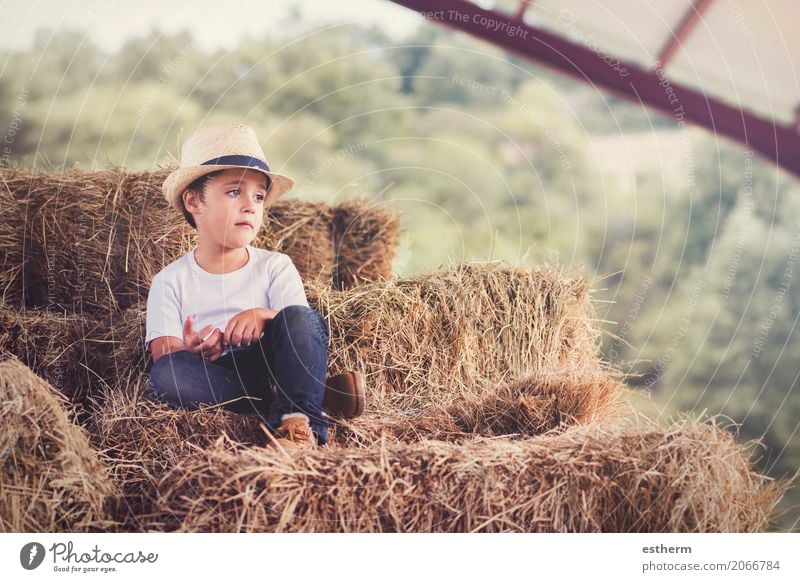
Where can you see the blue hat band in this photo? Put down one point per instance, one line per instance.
(247, 161)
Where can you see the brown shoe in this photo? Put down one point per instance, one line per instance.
(295, 433)
(344, 395)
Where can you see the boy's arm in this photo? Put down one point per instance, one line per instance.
(161, 346)
(164, 333)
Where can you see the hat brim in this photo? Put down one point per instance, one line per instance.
(179, 180)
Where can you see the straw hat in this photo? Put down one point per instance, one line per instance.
(222, 146)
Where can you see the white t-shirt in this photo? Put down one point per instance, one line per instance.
(182, 288)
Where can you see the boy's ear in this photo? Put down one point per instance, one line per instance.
(191, 201)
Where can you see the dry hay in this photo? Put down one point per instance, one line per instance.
(52, 478)
(91, 241)
(76, 354)
(454, 335)
(365, 238)
(99, 237)
(541, 402)
(690, 477)
(63, 349)
(144, 438)
(301, 230)
(15, 246)
(125, 356)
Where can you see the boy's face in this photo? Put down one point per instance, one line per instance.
(234, 207)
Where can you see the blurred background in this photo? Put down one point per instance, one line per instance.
(692, 239)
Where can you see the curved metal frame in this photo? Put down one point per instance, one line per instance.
(778, 143)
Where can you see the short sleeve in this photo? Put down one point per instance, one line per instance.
(163, 312)
(286, 286)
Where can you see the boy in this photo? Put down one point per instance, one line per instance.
(228, 322)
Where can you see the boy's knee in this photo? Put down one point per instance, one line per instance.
(294, 318)
(299, 314)
(165, 372)
(294, 312)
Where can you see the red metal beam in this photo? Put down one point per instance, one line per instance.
(683, 30)
(522, 9)
(648, 86)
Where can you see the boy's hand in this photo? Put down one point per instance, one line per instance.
(247, 327)
(207, 342)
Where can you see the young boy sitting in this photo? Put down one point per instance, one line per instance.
(229, 323)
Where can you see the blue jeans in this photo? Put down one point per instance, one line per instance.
(283, 372)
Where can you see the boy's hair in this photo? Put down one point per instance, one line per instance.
(199, 188)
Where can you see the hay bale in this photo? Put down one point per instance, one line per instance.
(125, 357)
(15, 229)
(61, 348)
(689, 477)
(454, 335)
(52, 478)
(91, 241)
(301, 230)
(542, 402)
(100, 237)
(77, 354)
(145, 439)
(365, 239)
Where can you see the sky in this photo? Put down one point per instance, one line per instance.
(110, 23)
